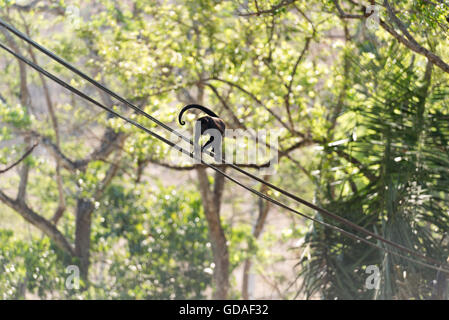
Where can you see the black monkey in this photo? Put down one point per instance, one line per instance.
(211, 121)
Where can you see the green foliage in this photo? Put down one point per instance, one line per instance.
(16, 116)
(162, 249)
(146, 249)
(33, 266)
(152, 243)
(401, 124)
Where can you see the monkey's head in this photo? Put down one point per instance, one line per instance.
(206, 123)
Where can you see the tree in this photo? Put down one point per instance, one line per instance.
(396, 189)
(285, 66)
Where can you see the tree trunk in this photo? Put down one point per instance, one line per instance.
(211, 202)
(246, 278)
(84, 211)
(264, 207)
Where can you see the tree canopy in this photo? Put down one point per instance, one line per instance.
(355, 91)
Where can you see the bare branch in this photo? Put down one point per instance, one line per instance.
(252, 96)
(26, 154)
(56, 152)
(360, 166)
(289, 86)
(39, 222)
(196, 166)
(110, 174)
(54, 121)
(408, 40)
(235, 119)
(41, 6)
(414, 46)
(398, 22)
(24, 173)
(25, 97)
(306, 17)
(108, 144)
(345, 15)
(343, 91)
(273, 9)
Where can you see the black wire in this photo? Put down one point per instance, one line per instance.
(81, 94)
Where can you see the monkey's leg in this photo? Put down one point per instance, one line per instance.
(207, 144)
(216, 149)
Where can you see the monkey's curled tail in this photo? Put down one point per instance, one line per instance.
(195, 106)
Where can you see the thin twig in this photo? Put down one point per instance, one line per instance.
(273, 9)
(26, 154)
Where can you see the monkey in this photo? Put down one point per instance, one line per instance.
(211, 121)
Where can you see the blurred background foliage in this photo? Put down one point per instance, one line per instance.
(361, 111)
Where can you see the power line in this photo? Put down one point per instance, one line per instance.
(433, 263)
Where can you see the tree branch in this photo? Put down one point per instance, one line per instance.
(414, 46)
(108, 144)
(362, 168)
(110, 174)
(345, 15)
(39, 222)
(25, 98)
(196, 166)
(252, 96)
(40, 6)
(26, 154)
(54, 121)
(273, 9)
(235, 119)
(408, 40)
(290, 84)
(343, 91)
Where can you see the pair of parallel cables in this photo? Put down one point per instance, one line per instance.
(430, 262)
